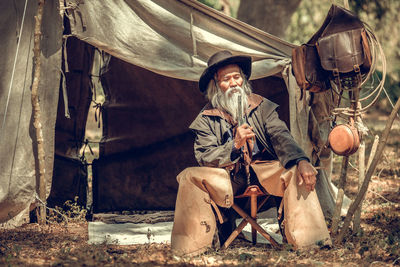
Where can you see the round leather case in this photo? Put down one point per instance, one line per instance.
(344, 139)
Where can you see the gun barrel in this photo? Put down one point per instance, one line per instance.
(240, 111)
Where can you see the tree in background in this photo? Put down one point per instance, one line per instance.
(272, 16)
(228, 7)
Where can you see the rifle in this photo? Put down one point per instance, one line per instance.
(241, 118)
(247, 148)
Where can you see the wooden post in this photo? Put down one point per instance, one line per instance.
(253, 214)
(36, 112)
(340, 195)
(354, 205)
(373, 151)
(361, 173)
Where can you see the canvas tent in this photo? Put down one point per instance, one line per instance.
(148, 55)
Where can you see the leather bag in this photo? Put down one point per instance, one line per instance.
(345, 52)
(342, 43)
(307, 69)
(339, 46)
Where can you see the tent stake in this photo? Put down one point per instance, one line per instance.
(36, 112)
(361, 173)
(340, 195)
(382, 142)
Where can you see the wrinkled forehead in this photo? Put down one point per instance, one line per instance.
(227, 70)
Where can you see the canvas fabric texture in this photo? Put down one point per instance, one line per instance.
(18, 180)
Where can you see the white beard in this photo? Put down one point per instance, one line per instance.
(228, 101)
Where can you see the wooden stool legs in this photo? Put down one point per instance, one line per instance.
(253, 192)
(253, 213)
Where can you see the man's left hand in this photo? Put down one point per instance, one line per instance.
(306, 174)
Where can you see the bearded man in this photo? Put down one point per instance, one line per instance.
(277, 164)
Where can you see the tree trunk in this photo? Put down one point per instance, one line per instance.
(272, 16)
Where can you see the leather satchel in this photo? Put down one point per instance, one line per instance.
(307, 69)
(342, 44)
(345, 52)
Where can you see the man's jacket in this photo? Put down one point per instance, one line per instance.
(213, 144)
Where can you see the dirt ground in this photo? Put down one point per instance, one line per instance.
(377, 244)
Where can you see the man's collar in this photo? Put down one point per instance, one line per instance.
(254, 101)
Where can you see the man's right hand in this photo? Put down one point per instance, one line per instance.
(243, 133)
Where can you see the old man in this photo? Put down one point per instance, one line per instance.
(260, 151)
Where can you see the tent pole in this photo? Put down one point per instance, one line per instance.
(361, 174)
(36, 112)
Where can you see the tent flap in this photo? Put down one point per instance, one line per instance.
(17, 135)
(172, 38)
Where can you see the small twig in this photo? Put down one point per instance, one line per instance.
(386, 157)
(354, 167)
(55, 210)
(373, 150)
(379, 174)
(357, 170)
(395, 260)
(278, 261)
(379, 195)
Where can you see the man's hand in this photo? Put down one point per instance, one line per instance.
(306, 174)
(243, 133)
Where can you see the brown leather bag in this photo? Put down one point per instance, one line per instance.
(341, 46)
(345, 52)
(307, 69)
(342, 43)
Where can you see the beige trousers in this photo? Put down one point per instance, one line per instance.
(195, 223)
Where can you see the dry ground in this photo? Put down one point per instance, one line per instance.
(378, 244)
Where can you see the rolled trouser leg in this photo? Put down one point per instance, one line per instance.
(194, 220)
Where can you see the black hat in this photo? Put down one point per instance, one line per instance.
(221, 59)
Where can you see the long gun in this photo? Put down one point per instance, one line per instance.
(241, 119)
(245, 149)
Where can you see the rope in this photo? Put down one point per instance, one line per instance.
(376, 49)
(390, 101)
(13, 71)
(98, 109)
(20, 109)
(19, 117)
(86, 144)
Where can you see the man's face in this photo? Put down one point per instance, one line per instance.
(229, 76)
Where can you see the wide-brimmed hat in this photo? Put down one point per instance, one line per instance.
(221, 59)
